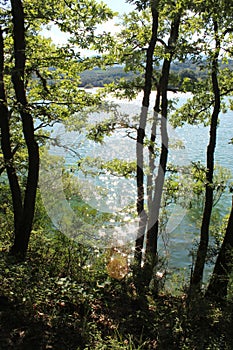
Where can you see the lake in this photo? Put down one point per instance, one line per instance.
(119, 193)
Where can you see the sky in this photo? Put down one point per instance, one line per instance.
(120, 6)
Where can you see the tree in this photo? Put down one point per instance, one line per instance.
(23, 208)
(44, 92)
(141, 134)
(155, 202)
(204, 238)
(218, 27)
(142, 49)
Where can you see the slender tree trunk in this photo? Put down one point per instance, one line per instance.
(197, 277)
(151, 149)
(23, 232)
(151, 256)
(140, 137)
(224, 265)
(6, 145)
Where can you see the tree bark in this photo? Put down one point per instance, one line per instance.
(6, 144)
(22, 234)
(197, 276)
(140, 137)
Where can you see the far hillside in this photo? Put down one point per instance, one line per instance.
(99, 77)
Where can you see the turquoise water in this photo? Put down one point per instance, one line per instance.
(178, 242)
(196, 139)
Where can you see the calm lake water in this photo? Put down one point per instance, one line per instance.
(181, 231)
(196, 140)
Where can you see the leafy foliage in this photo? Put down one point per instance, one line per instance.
(69, 296)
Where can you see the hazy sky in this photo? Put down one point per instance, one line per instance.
(116, 5)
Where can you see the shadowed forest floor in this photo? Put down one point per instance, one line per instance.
(55, 300)
(116, 321)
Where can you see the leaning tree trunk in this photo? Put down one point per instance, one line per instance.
(197, 276)
(217, 288)
(22, 233)
(151, 255)
(140, 138)
(6, 145)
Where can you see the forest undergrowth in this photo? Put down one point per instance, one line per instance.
(62, 297)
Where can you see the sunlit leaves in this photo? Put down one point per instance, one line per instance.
(115, 166)
(186, 185)
(79, 18)
(99, 131)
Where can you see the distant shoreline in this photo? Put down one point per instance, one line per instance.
(139, 97)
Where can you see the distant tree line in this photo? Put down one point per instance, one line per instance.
(181, 71)
(98, 77)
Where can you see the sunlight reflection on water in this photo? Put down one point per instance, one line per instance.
(120, 193)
